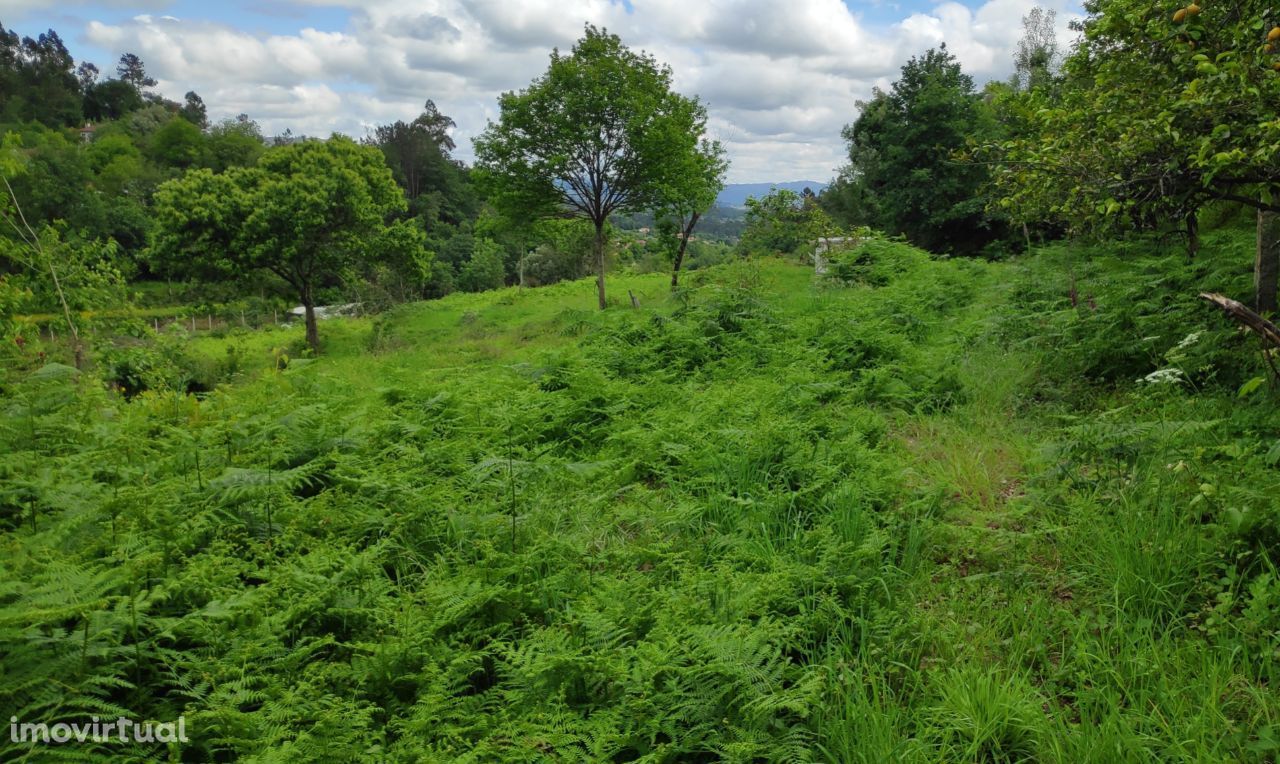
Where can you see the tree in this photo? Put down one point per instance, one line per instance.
(781, 223)
(111, 100)
(233, 143)
(38, 81)
(695, 178)
(484, 271)
(590, 137)
(903, 175)
(1037, 56)
(193, 110)
(418, 154)
(1158, 114)
(133, 71)
(178, 143)
(72, 277)
(304, 212)
(436, 126)
(87, 76)
(55, 180)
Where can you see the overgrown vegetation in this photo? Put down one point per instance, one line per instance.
(920, 510)
(897, 506)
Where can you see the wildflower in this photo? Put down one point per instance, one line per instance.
(1171, 376)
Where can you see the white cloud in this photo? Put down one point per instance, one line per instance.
(780, 79)
(18, 8)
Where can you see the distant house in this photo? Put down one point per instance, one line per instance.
(86, 132)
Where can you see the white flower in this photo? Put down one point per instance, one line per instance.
(1164, 377)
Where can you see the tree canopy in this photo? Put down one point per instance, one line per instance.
(902, 175)
(304, 212)
(600, 132)
(1159, 112)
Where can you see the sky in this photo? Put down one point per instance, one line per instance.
(780, 78)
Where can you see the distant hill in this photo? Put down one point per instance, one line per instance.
(735, 194)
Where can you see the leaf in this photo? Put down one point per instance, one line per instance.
(1249, 387)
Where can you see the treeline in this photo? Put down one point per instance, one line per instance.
(1155, 118)
(1148, 121)
(84, 155)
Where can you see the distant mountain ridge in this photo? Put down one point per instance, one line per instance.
(736, 194)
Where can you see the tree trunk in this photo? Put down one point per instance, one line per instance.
(313, 334)
(1266, 266)
(597, 246)
(1193, 234)
(684, 242)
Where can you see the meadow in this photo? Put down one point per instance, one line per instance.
(925, 509)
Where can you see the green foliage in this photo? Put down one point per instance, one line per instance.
(233, 143)
(304, 212)
(418, 154)
(484, 271)
(644, 143)
(178, 144)
(903, 175)
(37, 77)
(782, 223)
(886, 516)
(1154, 118)
(561, 251)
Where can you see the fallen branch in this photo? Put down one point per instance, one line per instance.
(1268, 331)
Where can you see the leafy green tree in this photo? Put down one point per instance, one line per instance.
(596, 134)
(233, 143)
(903, 176)
(485, 270)
(111, 100)
(66, 276)
(193, 110)
(179, 143)
(561, 251)
(1036, 59)
(38, 81)
(304, 212)
(115, 162)
(777, 223)
(87, 75)
(1159, 112)
(55, 180)
(694, 179)
(418, 153)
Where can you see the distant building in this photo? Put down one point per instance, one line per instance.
(86, 132)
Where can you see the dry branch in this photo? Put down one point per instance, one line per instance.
(1268, 331)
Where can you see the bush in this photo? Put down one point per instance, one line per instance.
(485, 270)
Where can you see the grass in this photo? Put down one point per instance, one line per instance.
(925, 515)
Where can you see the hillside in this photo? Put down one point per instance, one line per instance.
(735, 195)
(928, 513)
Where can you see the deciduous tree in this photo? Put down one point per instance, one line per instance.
(305, 212)
(903, 176)
(1160, 111)
(590, 137)
(694, 178)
